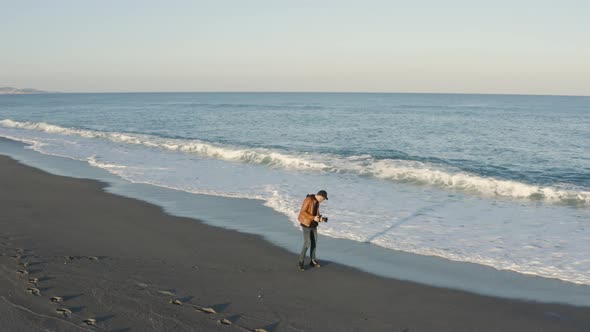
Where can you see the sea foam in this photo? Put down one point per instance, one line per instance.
(394, 170)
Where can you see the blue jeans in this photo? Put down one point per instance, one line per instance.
(310, 236)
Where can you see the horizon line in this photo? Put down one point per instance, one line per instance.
(318, 92)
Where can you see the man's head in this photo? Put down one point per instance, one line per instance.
(321, 196)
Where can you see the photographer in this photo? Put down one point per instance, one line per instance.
(309, 216)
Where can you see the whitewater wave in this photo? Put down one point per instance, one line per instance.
(394, 170)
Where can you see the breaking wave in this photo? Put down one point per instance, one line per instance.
(394, 170)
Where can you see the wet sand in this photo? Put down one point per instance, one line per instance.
(117, 264)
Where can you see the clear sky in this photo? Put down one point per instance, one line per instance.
(521, 47)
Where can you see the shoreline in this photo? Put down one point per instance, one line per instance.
(254, 217)
(121, 261)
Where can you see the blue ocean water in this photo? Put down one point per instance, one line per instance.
(498, 180)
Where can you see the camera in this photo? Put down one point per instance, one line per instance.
(322, 218)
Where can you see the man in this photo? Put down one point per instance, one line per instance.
(309, 217)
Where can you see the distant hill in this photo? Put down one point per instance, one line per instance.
(15, 91)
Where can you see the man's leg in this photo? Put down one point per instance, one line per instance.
(306, 243)
(314, 238)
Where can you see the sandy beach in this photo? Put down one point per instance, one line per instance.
(74, 257)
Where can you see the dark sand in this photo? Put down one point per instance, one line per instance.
(120, 261)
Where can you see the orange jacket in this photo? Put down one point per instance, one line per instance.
(309, 209)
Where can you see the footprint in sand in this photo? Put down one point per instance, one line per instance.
(92, 258)
(22, 272)
(90, 321)
(208, 310)
(177, 302)
(70, 259)
(225, 321)
(64, 311)
(33, 281)
(57, 299)
(165, 292)
(34, 291)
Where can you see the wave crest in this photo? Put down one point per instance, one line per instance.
(394, 170)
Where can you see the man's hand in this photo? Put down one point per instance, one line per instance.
(316, 218)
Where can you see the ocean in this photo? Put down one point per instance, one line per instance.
(497, 180)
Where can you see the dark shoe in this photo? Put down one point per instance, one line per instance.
(300, 264)
(314, 263)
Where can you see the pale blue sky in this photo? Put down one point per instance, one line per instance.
(523, 47)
